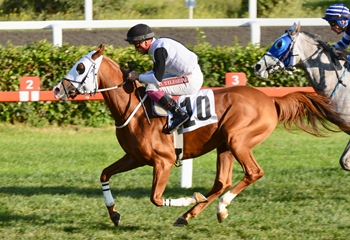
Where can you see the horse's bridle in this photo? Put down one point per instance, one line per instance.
(93, 70)
(284, 61)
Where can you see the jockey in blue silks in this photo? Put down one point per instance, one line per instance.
(338, 16)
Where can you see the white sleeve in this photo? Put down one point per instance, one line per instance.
(148, 77)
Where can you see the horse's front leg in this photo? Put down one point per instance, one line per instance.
(126, 163)
(161, 173)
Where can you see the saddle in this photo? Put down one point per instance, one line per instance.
(201, 109)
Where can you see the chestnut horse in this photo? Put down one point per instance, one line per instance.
(246, 117)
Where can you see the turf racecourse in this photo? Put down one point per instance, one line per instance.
(50, 190)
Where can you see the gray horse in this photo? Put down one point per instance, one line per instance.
(326, 68)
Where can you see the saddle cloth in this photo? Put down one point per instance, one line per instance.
(199, 106)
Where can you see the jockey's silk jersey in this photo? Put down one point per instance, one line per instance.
(169, 56)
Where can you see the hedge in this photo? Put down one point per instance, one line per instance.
(52, 63)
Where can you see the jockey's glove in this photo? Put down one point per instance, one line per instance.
(133, 76)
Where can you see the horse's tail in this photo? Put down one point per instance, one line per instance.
(308, 111)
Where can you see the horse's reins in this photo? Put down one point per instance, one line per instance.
(133, 113)
(138, 93)
(340, 79)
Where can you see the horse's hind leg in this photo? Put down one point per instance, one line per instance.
(222, 182)
(124, 164)
(252, 172)
(345, 158)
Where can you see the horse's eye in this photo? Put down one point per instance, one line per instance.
(80, 68)
(279, 44)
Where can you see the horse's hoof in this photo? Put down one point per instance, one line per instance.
(199, 197)
(116, 219)
(222, 216)
(180, 222)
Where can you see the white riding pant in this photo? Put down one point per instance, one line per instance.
(179, 85)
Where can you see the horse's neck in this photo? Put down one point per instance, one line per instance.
(317, 64)
(122, 100)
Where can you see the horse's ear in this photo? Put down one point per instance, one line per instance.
(297, 30)
(99, 52)
(100, 48)
(294, 30)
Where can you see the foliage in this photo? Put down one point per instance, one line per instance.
(40, 9)
(288, 8)
(52, 63)
(21, 10)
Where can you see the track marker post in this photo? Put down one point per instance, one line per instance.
(29, 88)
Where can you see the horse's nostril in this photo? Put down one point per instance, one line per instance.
(56, 90)
(257, 67)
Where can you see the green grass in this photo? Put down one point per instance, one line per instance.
(50, 189)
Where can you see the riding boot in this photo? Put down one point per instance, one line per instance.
(179, 116)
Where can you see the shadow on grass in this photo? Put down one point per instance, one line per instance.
(96, 193)
(7, 220)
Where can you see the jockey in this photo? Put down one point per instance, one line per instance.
(338, 16)
(175, 71)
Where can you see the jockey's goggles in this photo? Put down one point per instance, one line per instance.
(333, 23)
(136, 44)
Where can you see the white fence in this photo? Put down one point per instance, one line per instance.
(253, 23)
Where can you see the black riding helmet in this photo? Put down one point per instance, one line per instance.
(138, 33)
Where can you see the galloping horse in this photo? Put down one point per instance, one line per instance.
(245, 118)
(326, 68)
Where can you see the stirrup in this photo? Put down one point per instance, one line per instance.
(173, 127)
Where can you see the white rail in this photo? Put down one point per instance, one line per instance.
(253, 23)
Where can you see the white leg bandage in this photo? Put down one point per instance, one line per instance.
(107, 194)
(180, 202)
(225, 200)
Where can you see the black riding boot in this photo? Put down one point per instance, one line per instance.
(179, 116)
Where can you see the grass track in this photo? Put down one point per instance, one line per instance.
(50, 190)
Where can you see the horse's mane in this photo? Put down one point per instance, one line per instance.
(124, 71)
(340, 54)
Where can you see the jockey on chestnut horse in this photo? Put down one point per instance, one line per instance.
(231, 121)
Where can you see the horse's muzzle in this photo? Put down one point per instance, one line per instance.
(59, 92)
